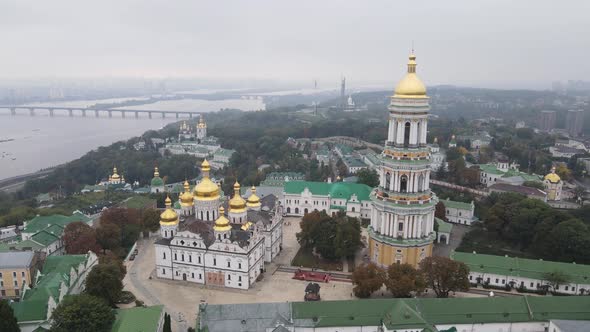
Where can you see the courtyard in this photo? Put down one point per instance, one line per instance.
(181, 299)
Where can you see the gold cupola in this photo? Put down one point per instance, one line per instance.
(552, 177)
(201, 123)
(169, 216)
(186, 198)
(253, 201)
(115, 175)
(206, 190)
(221, 223)
(410, 86)
(237, 203)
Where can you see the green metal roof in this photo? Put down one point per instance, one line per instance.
(45, 238)
(424, 313)
(521, 267)
(457, 205)
(138, 319)
(56, 270)
(41, 222)
(157, 182)
(336, 190)
(20, 246)
(490, 169)
(443, 227)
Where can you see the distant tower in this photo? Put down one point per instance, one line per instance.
(201, 129)
(343, 93)
(547, 120)
(574, 122)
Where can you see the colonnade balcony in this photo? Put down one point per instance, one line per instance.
(403, 198)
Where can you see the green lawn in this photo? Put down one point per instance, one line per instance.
(305, 258)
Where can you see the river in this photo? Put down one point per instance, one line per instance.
(30, 143)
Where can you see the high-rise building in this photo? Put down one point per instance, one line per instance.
(402, 218)
(343, 93)
(547, 120)
(574, 122)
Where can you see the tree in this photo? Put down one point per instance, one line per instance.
(167, 323)
(109, 236)
(79, 238)
(367, 279)
(556, 278)
(8, 322)
(403, 279)
(82, 313)
(444, 275)
(348, 236)
(104, 281)
(440, 211)
(368, 176)
(150, 220)
(563, 172)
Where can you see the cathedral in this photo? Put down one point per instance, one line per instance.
(402, 216)
(201, 244)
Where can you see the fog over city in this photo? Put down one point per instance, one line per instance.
(500, 44)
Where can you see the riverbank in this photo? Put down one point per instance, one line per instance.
(16, 183)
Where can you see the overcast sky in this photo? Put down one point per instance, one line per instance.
(482, 43)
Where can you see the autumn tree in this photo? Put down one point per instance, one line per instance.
(403, 279)
(8, 321)
(109, 236)
(150, 220)
(331, 237)
(444, 275)
(367, 279)
(440, 211)
(82, 312)
(104, 281)
(79, 238)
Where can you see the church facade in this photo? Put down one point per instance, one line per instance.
(402, 216)
(203, 245)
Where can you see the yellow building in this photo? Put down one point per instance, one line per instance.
(402, 214)
(17, 269)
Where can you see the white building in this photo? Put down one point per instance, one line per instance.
(206, 247)
(157, 184)
(302, 197)
(437, 157)
(201, 129)
(459, 212)
(527, 274)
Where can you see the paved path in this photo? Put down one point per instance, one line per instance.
(457, 233)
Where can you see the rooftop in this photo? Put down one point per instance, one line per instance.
(41, 222)
(138, 319)
(528, 191)
(522, 267)
(17, 259)
(335, 190)
(457, 205)
(395, 314)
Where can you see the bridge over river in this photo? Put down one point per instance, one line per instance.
(97, 111)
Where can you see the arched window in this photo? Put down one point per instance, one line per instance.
(296, 210)
(421, 182)
(288, 210)
(403, 184)
(207, 215)
(353, 209)
(165, 233)
(387, 180)
(407, 134)
(305, 211)
(418, 132)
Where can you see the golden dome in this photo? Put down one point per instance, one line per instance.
(202, 123)
(410, 86)
(156, 172)
(169, 216)
(253, 200)
(206, 190)
(186, 198)
(222, 223)
(552, 177)
(115, 176)
(237, 203)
